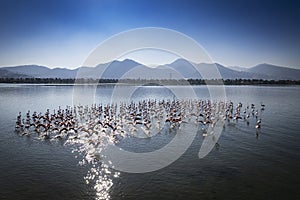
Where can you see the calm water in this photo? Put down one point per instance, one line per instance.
(245, 166)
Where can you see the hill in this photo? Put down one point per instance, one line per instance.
(129, 69)
(275, 72)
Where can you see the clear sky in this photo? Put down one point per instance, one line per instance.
(60, 33)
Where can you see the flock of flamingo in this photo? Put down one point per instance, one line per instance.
(148, 116)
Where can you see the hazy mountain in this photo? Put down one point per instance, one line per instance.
(210, 70)
(176, 70)
(8, 74)
(29, 70)
(42, 71)
(207, 71)
(112, 70)
(275, 72)
(62, 73)
(215, 70)
(237, 68)
(118, 69)
(183, 68)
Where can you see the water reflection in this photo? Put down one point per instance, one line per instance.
(100, 176)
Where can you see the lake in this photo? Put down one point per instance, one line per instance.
(246, 164)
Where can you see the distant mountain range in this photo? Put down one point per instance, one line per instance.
(133, 70)
(8, 74)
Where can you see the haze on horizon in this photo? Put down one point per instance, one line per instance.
(233, 33)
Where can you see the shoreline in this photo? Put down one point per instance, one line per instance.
(146, 82)
(124, 84)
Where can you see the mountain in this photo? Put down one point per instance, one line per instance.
(113, 70)
(28, 70)
(207, 71)
(130, 69)
(275, 72)
(237, 68)
(211, 70)
(117, 69)
(8, 74)
(215, 70)
(183, 68)
(41, 71)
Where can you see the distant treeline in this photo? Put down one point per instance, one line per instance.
(151, 81)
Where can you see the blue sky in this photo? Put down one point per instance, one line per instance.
(235, 33)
